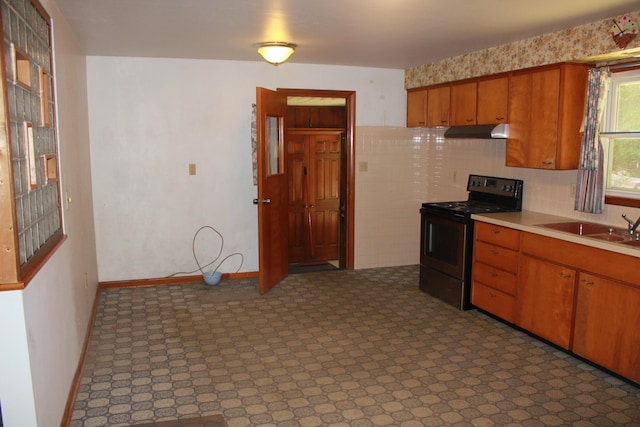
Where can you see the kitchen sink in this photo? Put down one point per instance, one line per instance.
(583, 228)
(608, 237)
(635, 243)
(595, 231)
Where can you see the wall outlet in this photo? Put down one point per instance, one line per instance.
(572, 190)
(363, 166)
(192, 168)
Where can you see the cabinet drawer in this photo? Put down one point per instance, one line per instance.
(493, 301)
(501, 236)
(496, 278)
(497, 256)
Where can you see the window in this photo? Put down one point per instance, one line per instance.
(30, 202)
(621, 129)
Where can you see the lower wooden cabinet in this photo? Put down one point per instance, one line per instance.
(495, 266)
(545, 300)
(494, 301)
(607, 325)
(583, 299)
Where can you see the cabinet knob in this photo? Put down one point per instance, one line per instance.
(495, 231)
(499, 118)
(565, 275)
(492, 295)
(588, 282)
(494, 252)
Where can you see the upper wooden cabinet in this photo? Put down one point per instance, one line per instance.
(438, 106)
(464, 98)
(493, 95)
(417, 107)
(546, 106)
(428, 107)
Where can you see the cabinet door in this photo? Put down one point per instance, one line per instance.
(545, 300)
(417, 108)
(534, 102)
(438, 106)
(492, 100)
(463, 104)
(607, 325)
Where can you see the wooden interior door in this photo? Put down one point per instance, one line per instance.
(271, 109)
(324, 176)
(314, 172)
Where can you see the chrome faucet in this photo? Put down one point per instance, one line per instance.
(632, 225)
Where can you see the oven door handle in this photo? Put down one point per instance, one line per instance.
(451, 216)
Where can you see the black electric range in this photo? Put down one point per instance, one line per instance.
(446, 236)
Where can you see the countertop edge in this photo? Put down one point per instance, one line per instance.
(529, 221)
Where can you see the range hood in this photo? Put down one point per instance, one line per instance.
(500, 131)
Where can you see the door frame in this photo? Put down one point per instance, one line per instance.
(348, 187)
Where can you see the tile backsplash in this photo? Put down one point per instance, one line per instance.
(398, 169)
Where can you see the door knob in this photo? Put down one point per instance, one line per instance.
(261, 201)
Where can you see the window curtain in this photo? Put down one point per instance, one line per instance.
(590, 187)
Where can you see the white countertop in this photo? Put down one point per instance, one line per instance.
(529, 221)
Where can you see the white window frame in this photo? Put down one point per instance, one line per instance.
(609, 126)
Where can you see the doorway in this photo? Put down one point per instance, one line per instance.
(319, 154)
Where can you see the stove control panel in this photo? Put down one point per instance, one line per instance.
(505, 187)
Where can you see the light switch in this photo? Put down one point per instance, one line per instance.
(192, 168)
(363, 166)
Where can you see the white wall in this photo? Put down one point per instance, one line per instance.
(150, 118)
(42, 328)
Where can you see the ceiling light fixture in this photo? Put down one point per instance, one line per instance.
(276, 52)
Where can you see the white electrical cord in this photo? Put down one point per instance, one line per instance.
(201, 267)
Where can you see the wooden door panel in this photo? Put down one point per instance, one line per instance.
(544, 120)
(438, 106)
(326, 234)
(271, 110)
(604, 312)
(417, 108)
(298, 233)
(492, 100)
(296, 182)
(320, 153)
(519, 119)
(545, 300)
(463, 104)
(326, 195)
(298, 238)
(327, 180)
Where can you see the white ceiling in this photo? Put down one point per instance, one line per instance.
(372, 33)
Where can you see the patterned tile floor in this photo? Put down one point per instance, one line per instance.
(338, 348)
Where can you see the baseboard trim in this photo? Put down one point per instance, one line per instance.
(75, 383)
(176, 280)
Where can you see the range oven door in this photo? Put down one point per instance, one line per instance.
(442, 243)
(445, 258)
